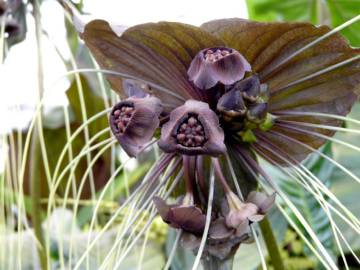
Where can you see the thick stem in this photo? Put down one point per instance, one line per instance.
(271, 244)
(35, 193)
(214, 263)
(35, 161)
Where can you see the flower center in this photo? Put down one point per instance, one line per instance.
(122, 117)
(191, 132)
(215, 55)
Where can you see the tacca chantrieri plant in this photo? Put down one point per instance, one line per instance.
(218, 96)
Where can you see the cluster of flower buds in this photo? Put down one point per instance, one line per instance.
(231, 227)
(244, 106)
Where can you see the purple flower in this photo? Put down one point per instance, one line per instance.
(219, 64)
(193, 129)
(224, 87)
(133, 122)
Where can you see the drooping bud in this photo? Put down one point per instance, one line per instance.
(220, 64)
(133, 122)
(257, 112)
(193, 129)
(187, 217)
(3, 7)
(252, 210)
(249, 87)
(134, 88)
(12, 27)
(231, 104)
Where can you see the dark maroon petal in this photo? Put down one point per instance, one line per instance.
(263, 201)
(162, 208)
(134, 121)
(236, 217)
(188, 218)
(249, 87)
(157, 52)
(3, 7)
(220, 64)
(12, 27)
(193, 129)
(232, 104)
(257, 112)
(267, 45)
(219, 231)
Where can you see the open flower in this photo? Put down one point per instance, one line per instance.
(213, 65)
(193, 129)
(231, 90)
(134, 121)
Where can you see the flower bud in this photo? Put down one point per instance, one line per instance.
(220, 64)
(252, 210)
(249, 87)
(193, 129)
(134, 88)
(133, 122)
(187, 217)
(231, 104)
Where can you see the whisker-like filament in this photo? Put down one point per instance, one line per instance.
(155, 174)
(285, 113)
(313, 43)
(317, 194)
(344, 169)
(328, 127)
(296, 212)
(126, 76)
(253, 230)
(291, 222)
(318, 183)
(207, 223)
(151, 218)
(173, 250)
(133, 220)
(318, 73)
(258, 246)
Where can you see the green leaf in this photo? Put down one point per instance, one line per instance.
(342, 11)
(331, 12)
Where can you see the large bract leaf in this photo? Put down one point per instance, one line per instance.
(159, 53)
(271, 48)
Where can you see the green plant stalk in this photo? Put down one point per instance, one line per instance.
(271, 244)
(35, 193)
(36, 153)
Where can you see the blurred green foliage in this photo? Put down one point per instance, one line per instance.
(330, 12)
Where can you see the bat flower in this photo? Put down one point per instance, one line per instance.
(193, 129)
(231, 91)
(134, 121)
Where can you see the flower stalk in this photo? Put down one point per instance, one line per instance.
(35, 177)
(271, 244)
